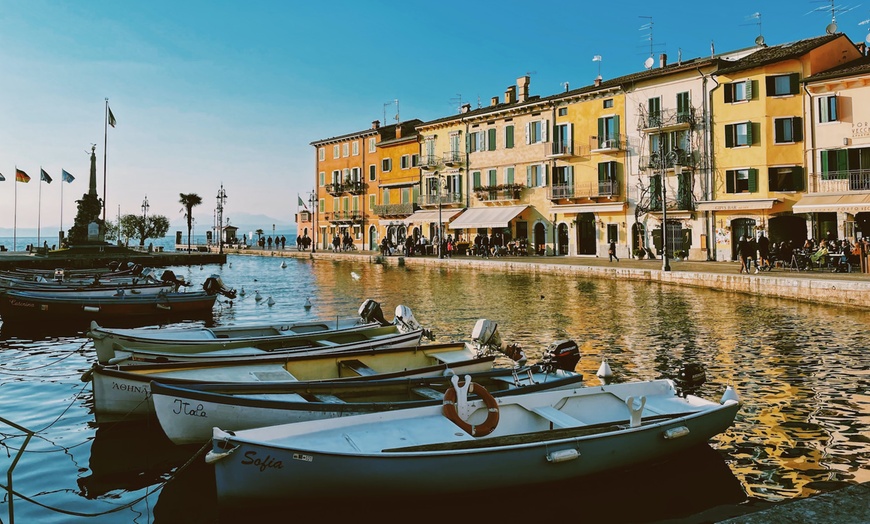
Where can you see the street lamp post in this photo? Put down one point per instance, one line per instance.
(145, 208)
(667, 159)
(221, 200)
(313, 200)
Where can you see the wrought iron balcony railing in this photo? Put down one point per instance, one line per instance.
(840, 181)
(395, 210)
(452, 158)
(445, 199)
(604, 188)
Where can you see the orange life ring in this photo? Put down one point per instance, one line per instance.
(480, 430)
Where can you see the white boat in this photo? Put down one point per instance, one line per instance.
(188, 412)
(187, 344)
(123, 392)
(527, 439)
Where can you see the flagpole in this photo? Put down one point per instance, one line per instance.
(61, 205)
(105, 145)
(39, 211)
(15, 215)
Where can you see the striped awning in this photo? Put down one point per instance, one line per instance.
(426, 216)
(832, 203)
(487, 217)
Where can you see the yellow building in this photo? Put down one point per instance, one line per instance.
(759, 139)
(395, 183)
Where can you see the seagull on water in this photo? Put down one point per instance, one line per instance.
(307, 304)
(257, 296)
(270, 301)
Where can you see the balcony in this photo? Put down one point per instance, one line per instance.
(445, 199)
(840, 181)
(452, 158)
(344, 217)
(395, 210)
(668, 118)
(352, 187)
(608, 143)
(500, 192)
(677, 157)
(607, 188)
(429, 162)
(562, 149)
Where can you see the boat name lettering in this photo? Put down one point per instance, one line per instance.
(132, 388)
(19, 303)
(251, 459)
(183, 408)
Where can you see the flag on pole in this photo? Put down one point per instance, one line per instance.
(43, 176)
(596, 58)
(301, 202)
(2, 178)
(112, 120)
(66, 177)
(21, 176)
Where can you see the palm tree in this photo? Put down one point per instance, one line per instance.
(189, 201)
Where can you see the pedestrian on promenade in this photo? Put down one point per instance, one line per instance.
(283, 241)
(612, 251)
(764, 251)
(753, 254)
(269, 242)
(743, 253)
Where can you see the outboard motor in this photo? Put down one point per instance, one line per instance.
(406, 321)
(169, 276)
(370, 311)
(485, 334)
(561, 354)
(58, 275)
(690, 378)
(113, 265)
(214, 285)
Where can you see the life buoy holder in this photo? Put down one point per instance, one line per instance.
(451, 410)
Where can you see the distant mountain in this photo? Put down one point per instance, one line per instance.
(246, 223)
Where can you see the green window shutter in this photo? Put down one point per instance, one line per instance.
(794, 83)
(545, 172)
(616, 130)
(528, 176)
(475, 177)
(754, 131)
(778, 128)
(824, 161)
(492, 139)
(729, 135)
(509, 137)
(602, 171)
(655, 192)
(797, 180)
(751, 89)
(797, 128)
(729, 93)
(842, 160)
(730, 176)
(753, 180)
(600, 132)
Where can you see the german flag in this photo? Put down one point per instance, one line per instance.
(21, 176)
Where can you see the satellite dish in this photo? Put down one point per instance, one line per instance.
(648, 63)
(831, 29)
(759, 40)
(867, 38)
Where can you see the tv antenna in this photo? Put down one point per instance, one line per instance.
(835, 10)
(396, 117)
(648, 63)
(458, 101)
(759, 40)
(597, 58)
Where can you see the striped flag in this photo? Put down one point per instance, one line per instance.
(112, 120)
(301, 202)
(43, 176)
(2, 178)
(21, 176)
(66, 177)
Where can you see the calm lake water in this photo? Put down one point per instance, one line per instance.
(801, 370)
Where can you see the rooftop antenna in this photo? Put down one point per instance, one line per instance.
(866, 22)
(648, 63)
(832, 27)
(565, 85)
(759, 40)
(396, 118)
(597, 58)
(458, 100)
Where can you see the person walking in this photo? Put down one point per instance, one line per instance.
(612, 251)
(753, 254)
(743, 253)
(764, 251)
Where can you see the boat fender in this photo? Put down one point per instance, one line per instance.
(563, 455)
(88, 375)
(449, 408)
(636, 412)
(677, 432)
(91, 309)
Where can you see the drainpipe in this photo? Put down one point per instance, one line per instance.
(811, 149)
(708, 164)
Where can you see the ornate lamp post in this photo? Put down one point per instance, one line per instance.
(312, 198)
(440, 221)
(221, 200)
(671, 158)
(145, 208)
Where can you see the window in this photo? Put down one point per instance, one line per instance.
(322, 175)
(607, 177)
(475, 179)
(473, 139)
(655, 193)
(335, 151)
(787, 130)
(386, 165)
(536, 175)
(405, 161)
(490, 139)
(347, 174)
(372, 201)
(788, 178)
(321, 153)
(509, 175)
(372, 144)
(415, 160)
(373, 172)
(741, 181)
(608, 103)
(355, 148)
(345, 149)
(454, 143)
(612, 233)
(782, 85)
(336, 177)
(355, 174)
(535, 132)
(738, 135)
(828, 109)
(509, 137)
(321, 205)
(655, 112)
(406, 195)
(684, 108)
(739, 91)
(563, 111)
(608, 132)
(491, 177)
(385, 200)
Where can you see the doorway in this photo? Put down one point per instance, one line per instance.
(587, 241)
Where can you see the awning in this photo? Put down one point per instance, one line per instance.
(428, 215)
(615, 207)
(736, 205)
(833, 203)
(487, 217)
(400, 184)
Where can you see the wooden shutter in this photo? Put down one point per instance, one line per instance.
(770, 85)
(616, 130)
(528, 132)
(529, 176)
(751, 89)
(509, 137)
(794, 83)
(797, 178)
(545, 127)
(602, 171)
(797, 130)
(753, 180)
(730, 179)
(600, 132)
(728, 89)
(569, 175)
(491, 138)
(729, 135)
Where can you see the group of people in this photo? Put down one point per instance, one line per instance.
(761, 254)
(264, 242)
(343, 242)
(303, 243)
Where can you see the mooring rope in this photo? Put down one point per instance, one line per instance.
(7, 371)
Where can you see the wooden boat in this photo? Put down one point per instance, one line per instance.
(194, 343)
(72, 306)
(142, 283)
(502, 444)
(123, 392)
(188, 412)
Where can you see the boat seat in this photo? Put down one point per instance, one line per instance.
(558, 418)
(428, 393)
(357, 367)
(450, 357)
(327, 398)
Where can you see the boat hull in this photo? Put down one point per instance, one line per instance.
(279, 464)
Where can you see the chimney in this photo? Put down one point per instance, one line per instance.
(376, 124)
(510, 95)
(493, 101)
(465, 108)
(663, 60)
(597, 80)
(398, 130)
(523, 85)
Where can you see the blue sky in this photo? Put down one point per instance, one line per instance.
(216, 91)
